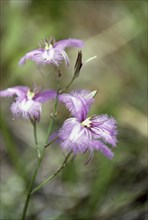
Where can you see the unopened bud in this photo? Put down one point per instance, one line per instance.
(78, 64)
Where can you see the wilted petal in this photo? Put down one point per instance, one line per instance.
(78, 102)
(45, 96)
(35, 55)
(20, 91)
(104, 127)
(73, 136)
(62, 44)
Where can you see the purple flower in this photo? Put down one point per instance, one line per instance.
(51, 52)
(81, 133)
(28, 102)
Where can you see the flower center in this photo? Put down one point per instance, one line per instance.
(30, 94)
(48, 46)
(86, 122)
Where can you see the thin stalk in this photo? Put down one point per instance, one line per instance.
(54, 174)
(30, 191)
(51, 141)
(35, 133)
(39, 161)
(35, 138)
(69, 84)
(73, 78)
(52, 120)
(30, 187)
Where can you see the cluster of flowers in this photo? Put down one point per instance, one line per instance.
(80, 132)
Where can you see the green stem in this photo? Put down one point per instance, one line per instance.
(73, 78)
(35, 138)
(40, 156)
(39, 160)
(35, 133)
(53, 175)
(30, 187)
(52, 119)
(47, 144)
(63, 90)
(53, 140)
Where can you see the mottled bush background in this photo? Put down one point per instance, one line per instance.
(114, 31)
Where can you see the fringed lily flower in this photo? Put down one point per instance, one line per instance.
(28, 102)
(51, 52)
(81, 133)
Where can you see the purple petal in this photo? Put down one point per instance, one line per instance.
(45, 96)
(53, 55)
(34, 55)
(26, 109)
(73, 136)
(65, 57)
(62, 44)
(104, 127)
(78, 103)
(77, 138)
(98, 145)
(20, 91)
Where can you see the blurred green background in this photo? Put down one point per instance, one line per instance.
(114, 31)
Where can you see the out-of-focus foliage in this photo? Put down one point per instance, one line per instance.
(114, 31)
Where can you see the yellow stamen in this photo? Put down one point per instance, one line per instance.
(86, 122)
(48, 46)
(30, 94)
